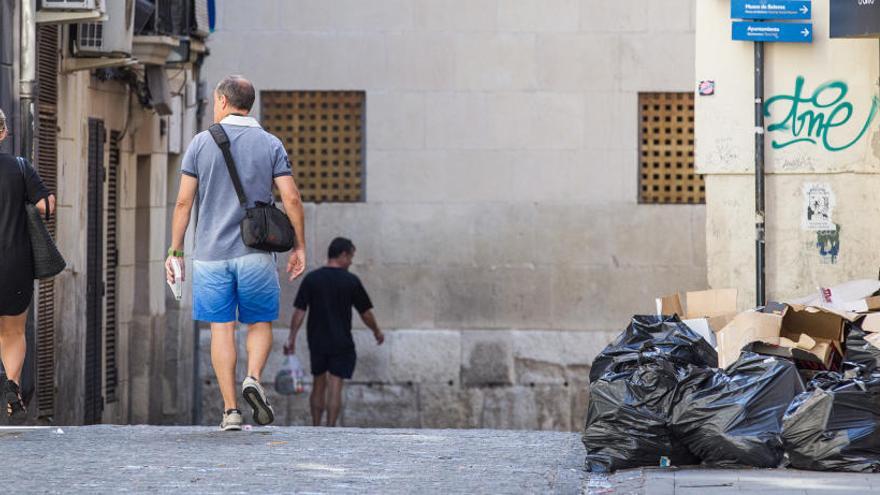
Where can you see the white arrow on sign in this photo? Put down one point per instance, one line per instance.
(804, 9)
(805, 32)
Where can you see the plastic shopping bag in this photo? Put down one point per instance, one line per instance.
(290, 379)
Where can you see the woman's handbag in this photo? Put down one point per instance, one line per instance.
(48, 261)
(264, 226)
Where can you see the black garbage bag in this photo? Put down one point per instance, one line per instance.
(628, 417)
(649, 336)
(734, 417)
(835, 425)
(860, 352)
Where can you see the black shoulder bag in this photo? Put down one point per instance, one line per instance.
(264, 226)
(48, 261)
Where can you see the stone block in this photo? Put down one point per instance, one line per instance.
(299, 410)
(496, 297)
(532, 371)
(536, 120)
(498, 61)
(553, 407)
(425, 356)
(456, 121)
(646, 65)
(359, 59)
(456, 15)
(373, 361)
(599, 70)
(445, 406)
(403, 295)
(395, 121)
(583, 300)
(510, 408)
(487, 358)
(611, 122)
(580, 400)
(212, 405)
(565, 348)
(420, 61)
(618, 16)
(213, 408)
(538, 15)
(380, 406)
(505, 234)
(671, 15)
(347, 15)
(420, 234)
(240, 15)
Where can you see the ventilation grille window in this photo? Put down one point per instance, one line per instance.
(323, 132)
(666, 150)
(111, 373)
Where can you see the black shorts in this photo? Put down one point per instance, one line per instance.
(338, 364)
(17, 286)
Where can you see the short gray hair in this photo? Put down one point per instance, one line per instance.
(238, 91)
(2, 121)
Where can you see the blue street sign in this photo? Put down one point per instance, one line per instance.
(791, 32)
(771, 9)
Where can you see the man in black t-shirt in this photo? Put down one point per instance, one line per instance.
(328, 294)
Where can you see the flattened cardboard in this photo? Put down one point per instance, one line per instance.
(711, 303)
(745, 328)
(862, 305)
(871, 323)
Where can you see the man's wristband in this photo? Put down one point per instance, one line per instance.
(175, 253)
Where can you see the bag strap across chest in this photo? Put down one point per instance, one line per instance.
(222, 140)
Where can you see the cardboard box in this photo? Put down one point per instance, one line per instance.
(776, 321)
(705, 312)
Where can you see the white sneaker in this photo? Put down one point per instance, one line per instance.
(255, 396)
(231, 420)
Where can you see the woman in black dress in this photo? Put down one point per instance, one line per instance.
(16, 266)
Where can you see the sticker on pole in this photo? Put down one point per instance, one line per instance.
(818, 207)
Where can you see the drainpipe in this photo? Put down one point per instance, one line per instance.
(27, 94)
(760, 213)
(28, 77)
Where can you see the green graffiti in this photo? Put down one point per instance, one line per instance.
(814, 119)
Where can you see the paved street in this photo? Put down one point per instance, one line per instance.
(146, 459)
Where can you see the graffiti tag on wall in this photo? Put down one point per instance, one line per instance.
(815, 119)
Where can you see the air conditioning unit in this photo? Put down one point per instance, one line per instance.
(72, 5)
(202, 24)
(110, 38)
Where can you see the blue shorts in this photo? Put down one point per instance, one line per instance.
(248, 284)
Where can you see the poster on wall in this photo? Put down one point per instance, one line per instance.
(818, 207)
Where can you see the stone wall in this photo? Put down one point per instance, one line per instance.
(514, 379)
(501, 231)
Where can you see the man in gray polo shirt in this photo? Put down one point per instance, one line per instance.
(230, 280)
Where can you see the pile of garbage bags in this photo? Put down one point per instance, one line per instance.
(657, 398)
(835, 425)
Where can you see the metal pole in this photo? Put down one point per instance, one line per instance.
(760, 244)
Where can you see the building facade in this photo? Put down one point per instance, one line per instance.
(106, 96)
(822, 155)
(504, 169)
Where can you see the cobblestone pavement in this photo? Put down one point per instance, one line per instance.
(150, 459)
(134, 459)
